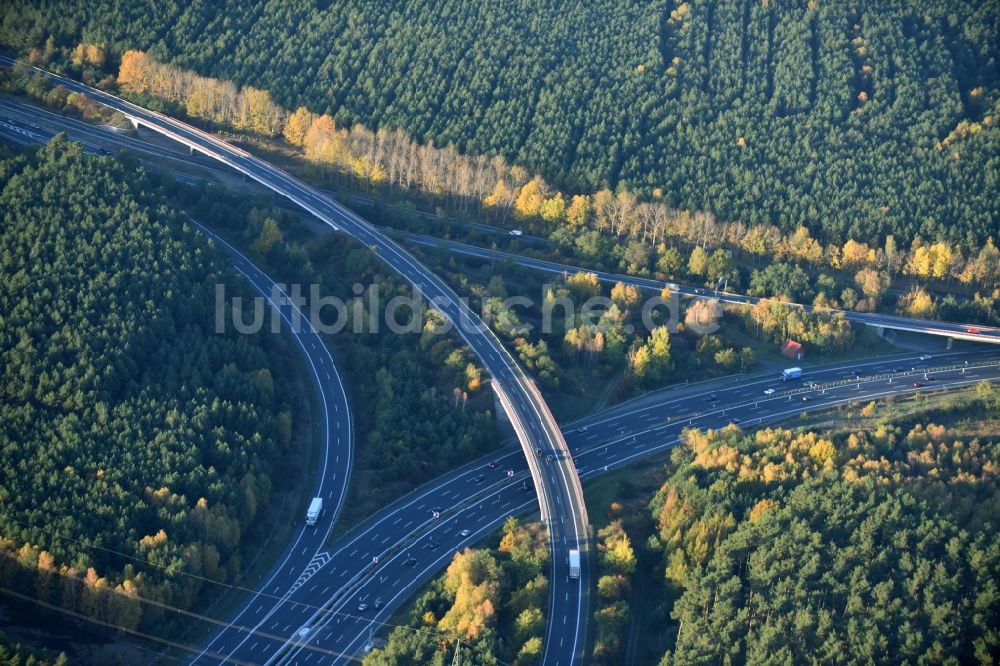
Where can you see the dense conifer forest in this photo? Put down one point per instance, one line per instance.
(135, 442)
(850, 119)
(786, 546)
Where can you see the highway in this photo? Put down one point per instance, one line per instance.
(560, 495)
(305, 551)
(333, 417)
(412, 546)
(956, 330)
(406, 531)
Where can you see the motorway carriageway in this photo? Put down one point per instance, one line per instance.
(412, 546)
(962, 331)
(612, 458)
(560, 494)
(335, 427)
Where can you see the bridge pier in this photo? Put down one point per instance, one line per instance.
(951, 341)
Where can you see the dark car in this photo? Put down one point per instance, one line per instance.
(712, 397)
(377, 604)
(410, 562)
(479, 479)
(493, 465)
(899, 369)
(918, 385)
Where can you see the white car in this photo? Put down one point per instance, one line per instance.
(465, 533)
(925, 357)
(768, 391)
(516, 232)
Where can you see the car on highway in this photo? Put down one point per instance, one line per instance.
(736, 421)
(899, 369)
(975, 331)
(810, 384)
(465, 533)
(362, 607)
(925, 357)
(712, 397)
(549, 458)
(516, 232)
(410, 562)
(510, 471)
(918, 385)
(769, 391)
(493, 465)
(805, 398)
(479, 478)
(377, 605)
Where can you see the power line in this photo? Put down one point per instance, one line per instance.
(204, 618)
(93, 620)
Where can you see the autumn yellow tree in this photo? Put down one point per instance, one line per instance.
(297, 125)
(579, 210)
(917, 303)
(134, 72)
(530, 198)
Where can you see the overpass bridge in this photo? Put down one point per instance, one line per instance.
(557, 483)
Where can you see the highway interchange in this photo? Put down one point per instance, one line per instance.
(412, 546)
(560, 495)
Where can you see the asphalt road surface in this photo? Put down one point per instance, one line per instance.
(412, 546)
(560, 494)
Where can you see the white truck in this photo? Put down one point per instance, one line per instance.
(574, 563)
(312, 513)
(791, 373)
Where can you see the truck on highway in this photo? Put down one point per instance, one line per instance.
(791, 373)
(312, 513)
(574, 563)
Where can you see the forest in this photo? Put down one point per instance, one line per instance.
(136, 444)
(487, 609)
(860, 121)
(18, 654)
(793, 546)
(421, 404)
